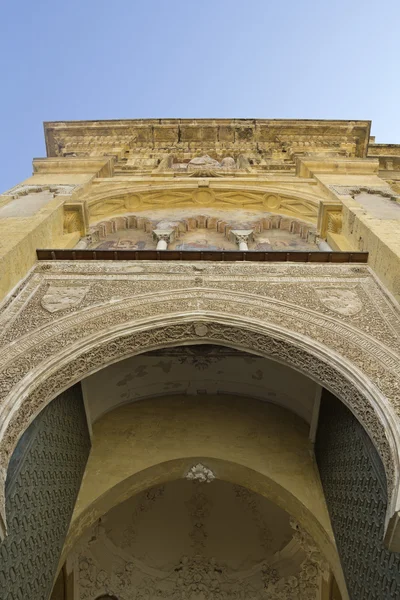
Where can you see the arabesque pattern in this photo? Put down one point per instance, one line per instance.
(354, 483)
(43, 481)
(333, 323)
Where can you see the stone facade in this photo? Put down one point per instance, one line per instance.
(302, 188)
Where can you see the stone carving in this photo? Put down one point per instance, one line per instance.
(331, 338)
(59, 297)
(200, 357)
(101, 230)
(342, 301)
(163, 237)
(354, 483)
(204, 160)
(166, 163)
(242, 238)
(201, 329)
(205, 166)
(198, 576)
(304, 206)
(257, 138)
(334, 221)
(24, 190)
(72, 221)
(44, 479)
(200, 473)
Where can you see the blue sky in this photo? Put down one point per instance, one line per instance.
(80, 59)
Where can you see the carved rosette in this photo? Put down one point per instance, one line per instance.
(200, 473)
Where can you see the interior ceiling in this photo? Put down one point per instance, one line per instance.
(191, 540)
(193, 370)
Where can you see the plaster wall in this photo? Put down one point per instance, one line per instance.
(198, 370)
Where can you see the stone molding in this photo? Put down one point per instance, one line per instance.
(329, 337)
(111, 137)
(56, 190)
(106, 199)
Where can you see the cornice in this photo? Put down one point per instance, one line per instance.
(164, 133)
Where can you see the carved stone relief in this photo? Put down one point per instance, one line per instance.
(342, 301)
(205, 166)
(60, 297)
(264, 555)
(24, 190)
(332, 338)
(354, 484)
(42, 485)
(304, 206)
(200, 473)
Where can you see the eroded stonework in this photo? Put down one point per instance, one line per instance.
(332, 322)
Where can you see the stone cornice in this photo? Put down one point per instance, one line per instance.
(284, 135)
(101, 167)
(309, 166)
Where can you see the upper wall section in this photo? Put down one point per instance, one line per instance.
(266, 143)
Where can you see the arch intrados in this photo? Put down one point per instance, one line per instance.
(250, 336)
(274, 332)
(225, 470)
(129, 222)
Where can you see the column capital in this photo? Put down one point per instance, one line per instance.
(164, 235)
(242, 237)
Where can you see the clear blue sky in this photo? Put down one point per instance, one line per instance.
(81, 59)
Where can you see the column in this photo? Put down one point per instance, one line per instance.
(323, 246)
(163, 237)
(242, 238)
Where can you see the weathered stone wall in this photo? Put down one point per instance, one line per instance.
(43, 481)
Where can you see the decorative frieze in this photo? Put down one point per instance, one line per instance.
(332, 322)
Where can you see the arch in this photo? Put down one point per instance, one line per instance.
(182, 225)
(59, 354)
(219, 434)
(105, 200)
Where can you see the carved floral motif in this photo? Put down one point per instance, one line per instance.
(200, 577)
(200, 473)
(278, 298)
